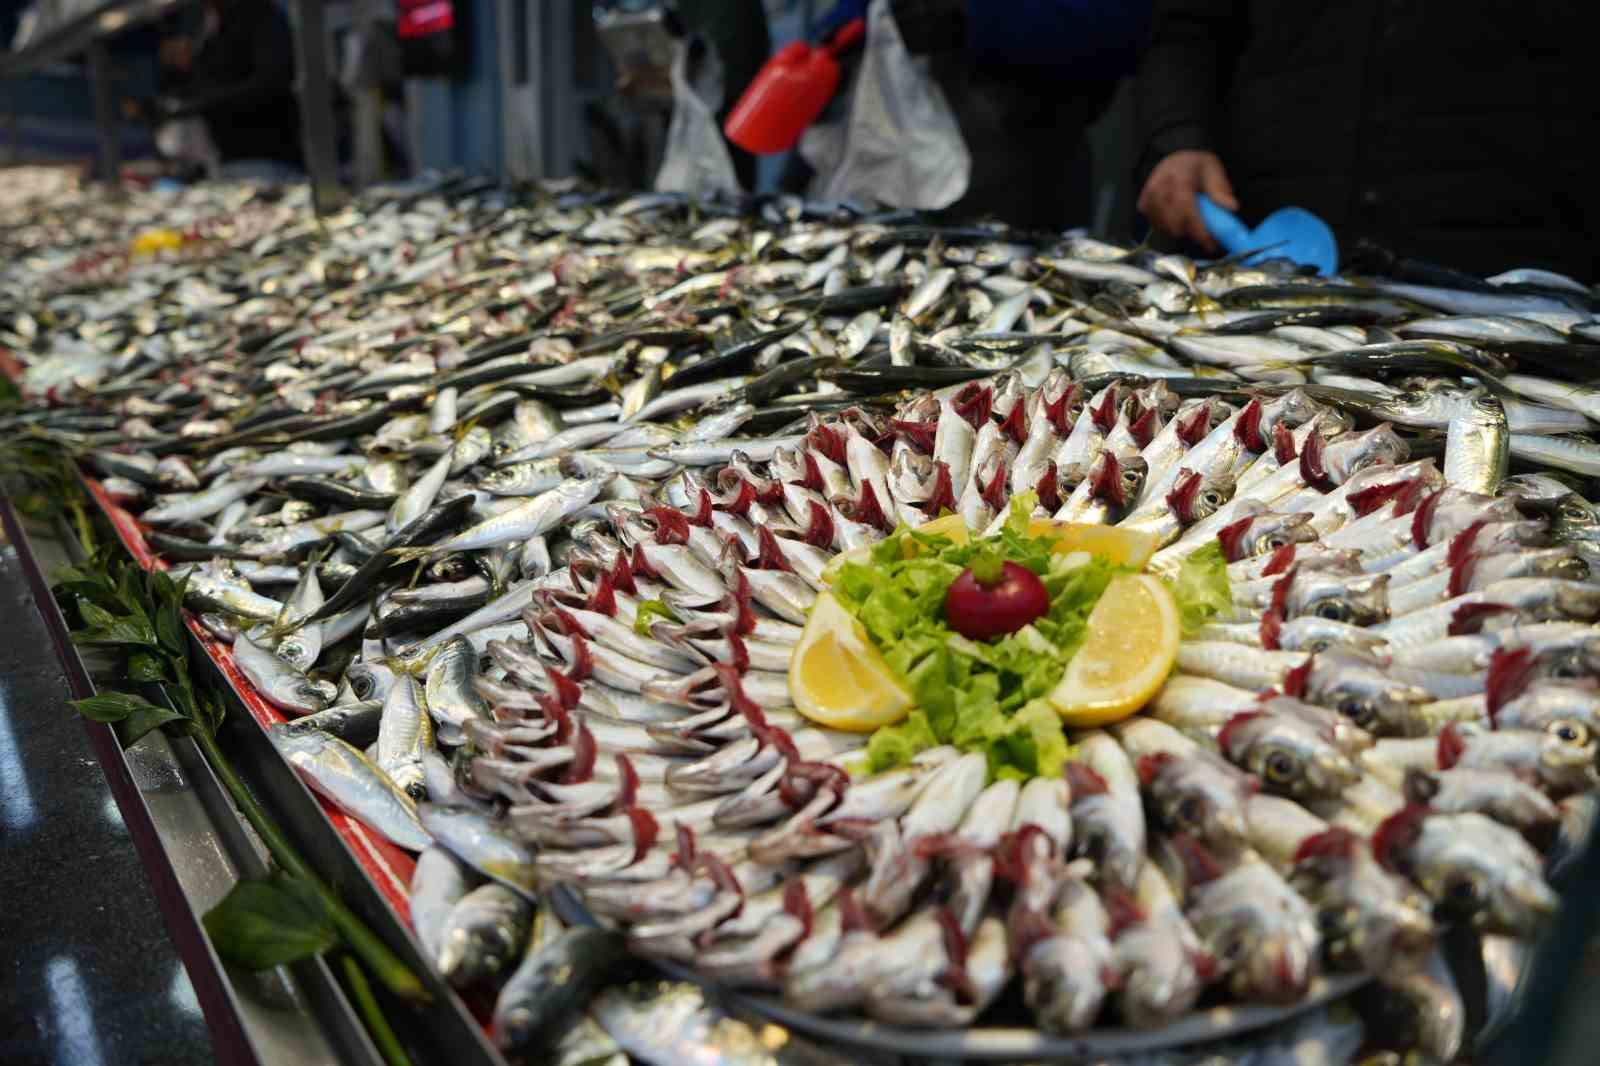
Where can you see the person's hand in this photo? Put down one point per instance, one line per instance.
(1168, 197)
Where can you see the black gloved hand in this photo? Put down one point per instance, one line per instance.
(931, 25)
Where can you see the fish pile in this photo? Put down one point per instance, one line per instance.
(516, 505)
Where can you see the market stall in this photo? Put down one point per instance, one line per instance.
(637, 627)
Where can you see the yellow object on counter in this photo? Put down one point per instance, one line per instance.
(152, 241)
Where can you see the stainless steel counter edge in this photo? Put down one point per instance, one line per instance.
(194, 848)
(444, 1030)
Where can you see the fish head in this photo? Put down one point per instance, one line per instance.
(1196, 496)
(1265, 532)
(1480, 872)
(1575, 519)
(1357, 601)
(1117, 480)
(1567, 755)
(1370, 699)
(1378, 446)
(1269, 962)
(1197, 796)
(1065, 981)
(1214, 492)
(1164, 981)
(1561, 562)
(1365, 914)
(1485, 404)
(1288, 754)
(1576, 600)
(1579, 662)
(1314, 634)
(1294, 408)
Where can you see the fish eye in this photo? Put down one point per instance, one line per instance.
(1187, 811)
(1332, 610)
(1574, 510)
(1566, 667)
(1332, 921)
(1464, 891)
(1276, 541)
(1359, 711)
(1212, 498)
(1233, 949)
(1568, 731)
(1279, 767)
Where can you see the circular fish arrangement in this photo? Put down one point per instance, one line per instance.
(946, 626)
(1377, 730)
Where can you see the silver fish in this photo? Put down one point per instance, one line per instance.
(345, 776)
(483, 934)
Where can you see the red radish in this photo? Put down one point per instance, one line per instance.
(990, 600)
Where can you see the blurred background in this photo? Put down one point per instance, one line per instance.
(507, 88)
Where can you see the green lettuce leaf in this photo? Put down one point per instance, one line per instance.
(1201, 587)
(978, 696)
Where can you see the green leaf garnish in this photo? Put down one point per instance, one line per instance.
(267, 923)
(984, 696)
(649, 611)
(112, 706)
(1201, 587)
(143, 719)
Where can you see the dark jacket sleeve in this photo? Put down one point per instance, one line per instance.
(1183, 75)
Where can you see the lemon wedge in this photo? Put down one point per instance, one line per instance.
(838, 679)
(1121, 547)
(1130, 647)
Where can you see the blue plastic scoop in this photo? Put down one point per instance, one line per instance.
(1288, 233)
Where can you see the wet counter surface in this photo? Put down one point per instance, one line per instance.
(88, 974)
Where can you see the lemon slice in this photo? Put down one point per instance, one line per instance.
(1122, 547)
(838, 679)
(1130, 647)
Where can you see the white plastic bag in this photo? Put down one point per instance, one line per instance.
(900, 145)
(696, 159)
(188, 140)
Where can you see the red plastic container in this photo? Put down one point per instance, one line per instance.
(789, 93)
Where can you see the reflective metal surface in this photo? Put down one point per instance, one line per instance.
(89, 974)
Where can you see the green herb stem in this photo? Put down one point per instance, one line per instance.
(988, 568)
(387, 966)
(377, 1025)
